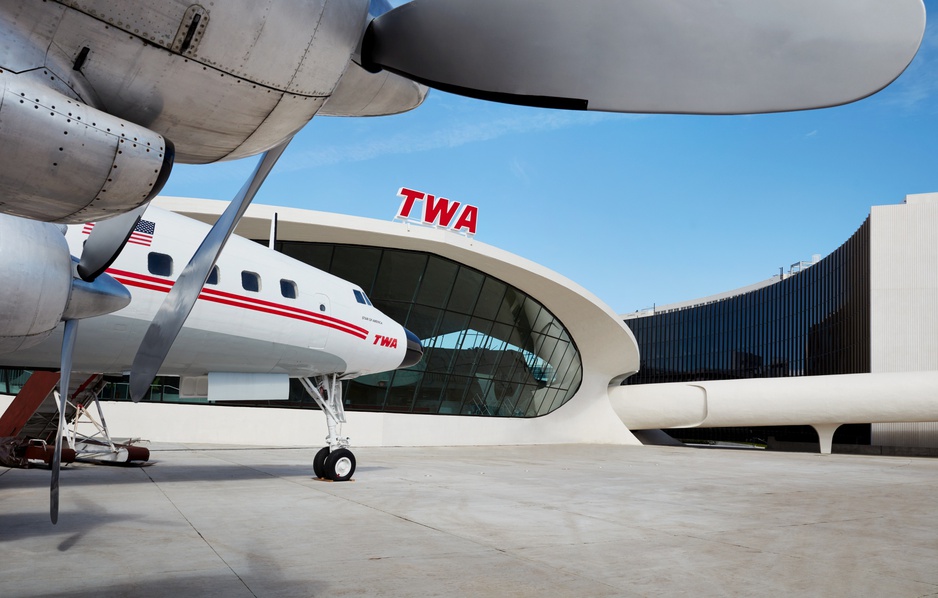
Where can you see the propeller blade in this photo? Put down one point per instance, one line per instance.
(664, 56)
(182, 297)
(68, 347)
(106, 241)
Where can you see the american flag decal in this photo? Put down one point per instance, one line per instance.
(142, 235)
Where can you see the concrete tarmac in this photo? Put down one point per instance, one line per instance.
(574, 520)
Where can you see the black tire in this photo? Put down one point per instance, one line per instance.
(319, 462)
(340, 465)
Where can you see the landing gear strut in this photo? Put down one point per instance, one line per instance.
(335, 461)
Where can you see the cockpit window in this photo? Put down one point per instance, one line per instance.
(360, 297)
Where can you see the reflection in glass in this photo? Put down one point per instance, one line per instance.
(489, 349)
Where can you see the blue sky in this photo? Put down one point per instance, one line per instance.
(638, 209)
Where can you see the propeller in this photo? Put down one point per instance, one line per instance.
(181, 299)
(68, 347)
(108, 237)
(665, 56)
(106, 241)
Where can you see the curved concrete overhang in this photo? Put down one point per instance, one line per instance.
(795, 401)
(822, 402)
(607, 348)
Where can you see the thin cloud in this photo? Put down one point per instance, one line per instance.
(453, 135)
(517, 168)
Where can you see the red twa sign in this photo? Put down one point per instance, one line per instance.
(437, 211)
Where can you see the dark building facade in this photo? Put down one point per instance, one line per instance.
(815, 321)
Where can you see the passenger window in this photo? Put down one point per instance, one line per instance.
(213, 277)
(288, 288)
(160, 264)
(250, 281)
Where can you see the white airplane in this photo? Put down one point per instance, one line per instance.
(261, 319)
(98, 98)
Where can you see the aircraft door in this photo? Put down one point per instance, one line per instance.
(320, 334)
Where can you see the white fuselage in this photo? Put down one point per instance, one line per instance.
(324, 329)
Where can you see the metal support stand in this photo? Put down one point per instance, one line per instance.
(97, 445)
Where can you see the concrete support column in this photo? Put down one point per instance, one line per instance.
(825, 434)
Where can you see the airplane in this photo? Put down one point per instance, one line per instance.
(261, 319)
(99, 98)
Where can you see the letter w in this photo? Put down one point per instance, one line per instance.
(439, 210)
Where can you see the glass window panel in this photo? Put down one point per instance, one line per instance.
(570, 389)
(400, 398)
(213, 276)
(525, 401)
(563, 363)
(428, 397)
(480, 327)
(423, 321)
(452, 394)
(490, 299)
(437, 282)
(475, 400)
(364, 397)
(315, 254)
(541, 401)
(399, 275)
(465, 290)
(357, 265)
(511, 303)
(395, 311)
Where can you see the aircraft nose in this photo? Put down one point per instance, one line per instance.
(414, 350)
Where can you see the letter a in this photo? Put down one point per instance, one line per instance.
(468, 219)
(439, 210)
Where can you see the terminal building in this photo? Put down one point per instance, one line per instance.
(867, 308)
(517, 354)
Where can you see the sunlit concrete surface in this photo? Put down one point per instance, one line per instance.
(493, 521)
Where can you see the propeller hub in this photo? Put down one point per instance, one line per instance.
(102, 296)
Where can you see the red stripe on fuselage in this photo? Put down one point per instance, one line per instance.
(164, 285)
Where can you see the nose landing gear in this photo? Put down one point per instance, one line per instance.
(335, 461)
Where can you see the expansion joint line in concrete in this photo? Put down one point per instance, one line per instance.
(207, 543)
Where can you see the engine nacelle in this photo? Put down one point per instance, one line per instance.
(40, 286)
(64, 161)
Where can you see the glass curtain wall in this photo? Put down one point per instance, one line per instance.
(814, 322)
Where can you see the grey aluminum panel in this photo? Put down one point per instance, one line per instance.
(361, 93)
(298, 46)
